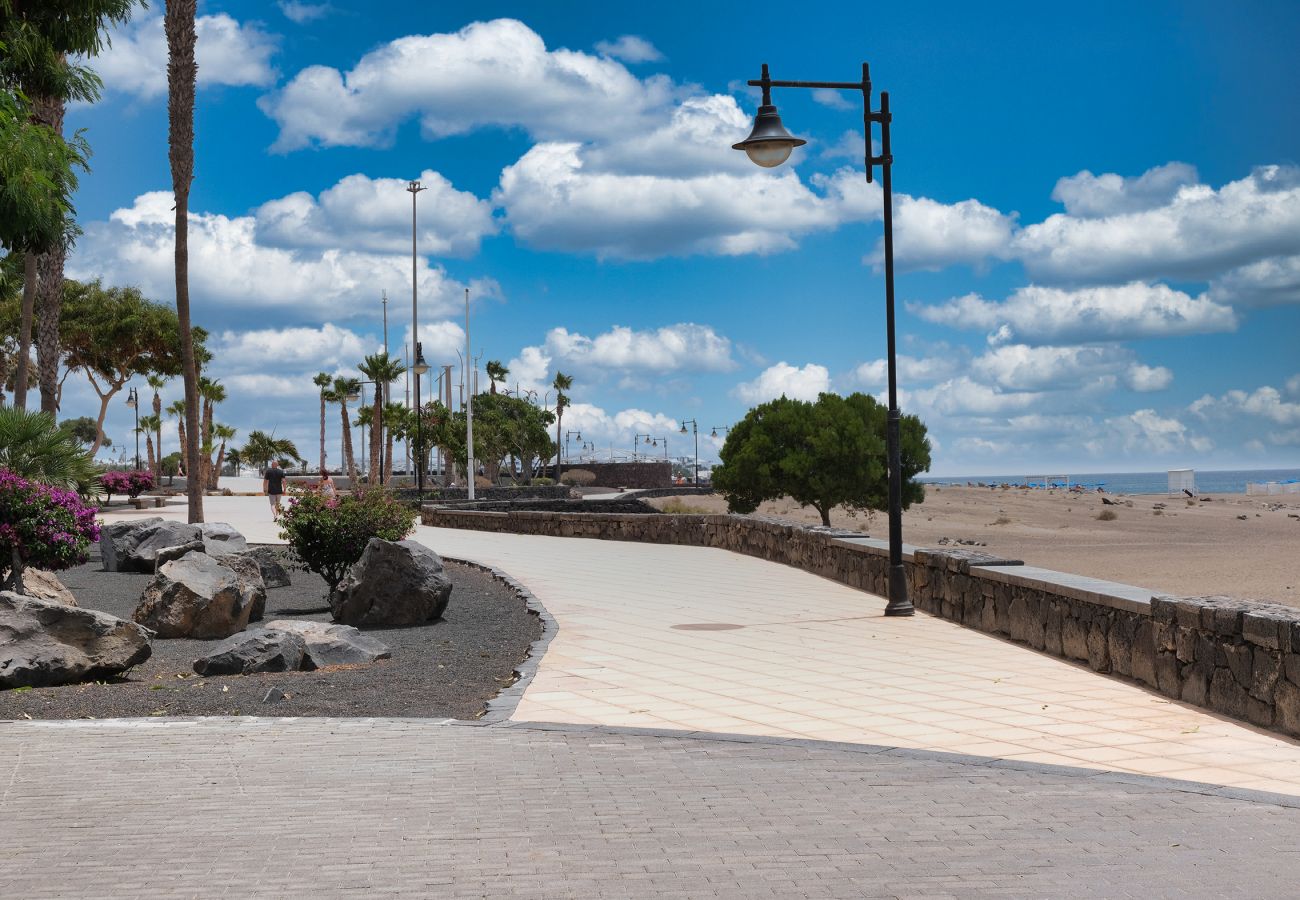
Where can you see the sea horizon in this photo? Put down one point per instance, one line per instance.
(1208, 481)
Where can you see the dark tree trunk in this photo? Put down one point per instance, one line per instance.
(182, 72)
(25, 331)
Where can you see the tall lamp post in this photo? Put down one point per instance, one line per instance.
(769, 145)
(577, 434)
(133, 402)
(695, 430)
(637, 440)
(420, 367)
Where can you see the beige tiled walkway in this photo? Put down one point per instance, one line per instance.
(815, 659)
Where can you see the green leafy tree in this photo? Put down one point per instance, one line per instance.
(496, 372)
(42, 45)
(111, 335)
(505, 429)
(83, 428)
(823, 454)
(384, 370)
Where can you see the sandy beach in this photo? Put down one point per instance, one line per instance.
(1230, 544)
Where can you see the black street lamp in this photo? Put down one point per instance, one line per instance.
(419, 367)
(133, 402)
(768, 145)
(414, 188)
(695, 430)
(725, 429)
(577, 434)
(636, 441)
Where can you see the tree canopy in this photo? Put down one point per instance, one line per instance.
(823, 454)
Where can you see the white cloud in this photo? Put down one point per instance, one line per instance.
(912, 370)
(681, 347)
(1146, 432)
(496, 73)
(1144, 379)
(1019, 367)
(302, 13)
(1293, 385)
(834, 99)
(553, 203)
(1123, 312)
(1269, 282)
(1090, 196)
(325, 348)
(963, 396)
(630, 48)
(1198, 233)
(784, 379)
(374, 214)
(231, 272)
(1264, 402)
(228, 53)
(931, 235)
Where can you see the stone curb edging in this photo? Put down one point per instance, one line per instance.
(1100, 776)
(503, 705)
(1235, 657)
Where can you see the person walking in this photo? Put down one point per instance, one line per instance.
(273, 485)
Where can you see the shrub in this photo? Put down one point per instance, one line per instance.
(578, 477)
(1107, 515)
(42, 526)
(329, 534)
(132, 483)
(543, 481)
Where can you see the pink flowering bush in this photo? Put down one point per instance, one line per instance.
(41, 526)
(329, 534)
(132, 483)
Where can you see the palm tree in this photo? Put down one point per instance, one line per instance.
(225, 433)
(341, 392)
(149, 426)
(157, 382)
(322, 381)
(261, 448)
(496, 372)
(561, 384)
(33, 446)
(182, 73)
(176, 409)
(212, 392)
(383, 370)
(235, 458)
(397, 425)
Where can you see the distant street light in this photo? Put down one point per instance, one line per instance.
(577, 434)
(768, 145)
(695, 431)
(419, 368)
(133, 402)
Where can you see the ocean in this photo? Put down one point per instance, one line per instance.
(1232, 481)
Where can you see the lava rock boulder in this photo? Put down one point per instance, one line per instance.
(395, 583)
(44, 644)
(196, 597)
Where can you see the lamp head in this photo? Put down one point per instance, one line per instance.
(419, 367)
(769, 144)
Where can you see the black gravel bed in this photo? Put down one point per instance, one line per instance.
(446, 669)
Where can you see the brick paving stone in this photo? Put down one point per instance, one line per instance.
(367, 808)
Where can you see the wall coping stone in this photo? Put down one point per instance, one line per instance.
(1111, 594)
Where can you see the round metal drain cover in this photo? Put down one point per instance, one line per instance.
(707, 626)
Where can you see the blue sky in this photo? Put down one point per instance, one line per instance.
(1097, 210)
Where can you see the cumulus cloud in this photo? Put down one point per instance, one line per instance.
(1020, 367)
(964, 396)
(630, 48)
(783, 379)
(374, 214)
(496, 73)
(1269, 282)
(1145, 379)
(1147, 432)
(932, 235)
(233, 274)
(1197, 234)
(326, 348)
(912, 370)
(1264, 402)
(682, 347)
(301, 13)
(553, 203)
(1039, 314)
(228, 53)
(1090, 196)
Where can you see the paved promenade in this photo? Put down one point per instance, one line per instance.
(1052, 798)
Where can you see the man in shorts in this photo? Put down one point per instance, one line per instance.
(273, 485)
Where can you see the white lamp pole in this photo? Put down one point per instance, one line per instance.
(469, 410)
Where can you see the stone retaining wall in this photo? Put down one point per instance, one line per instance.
(1237, 657)
(647, 474)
